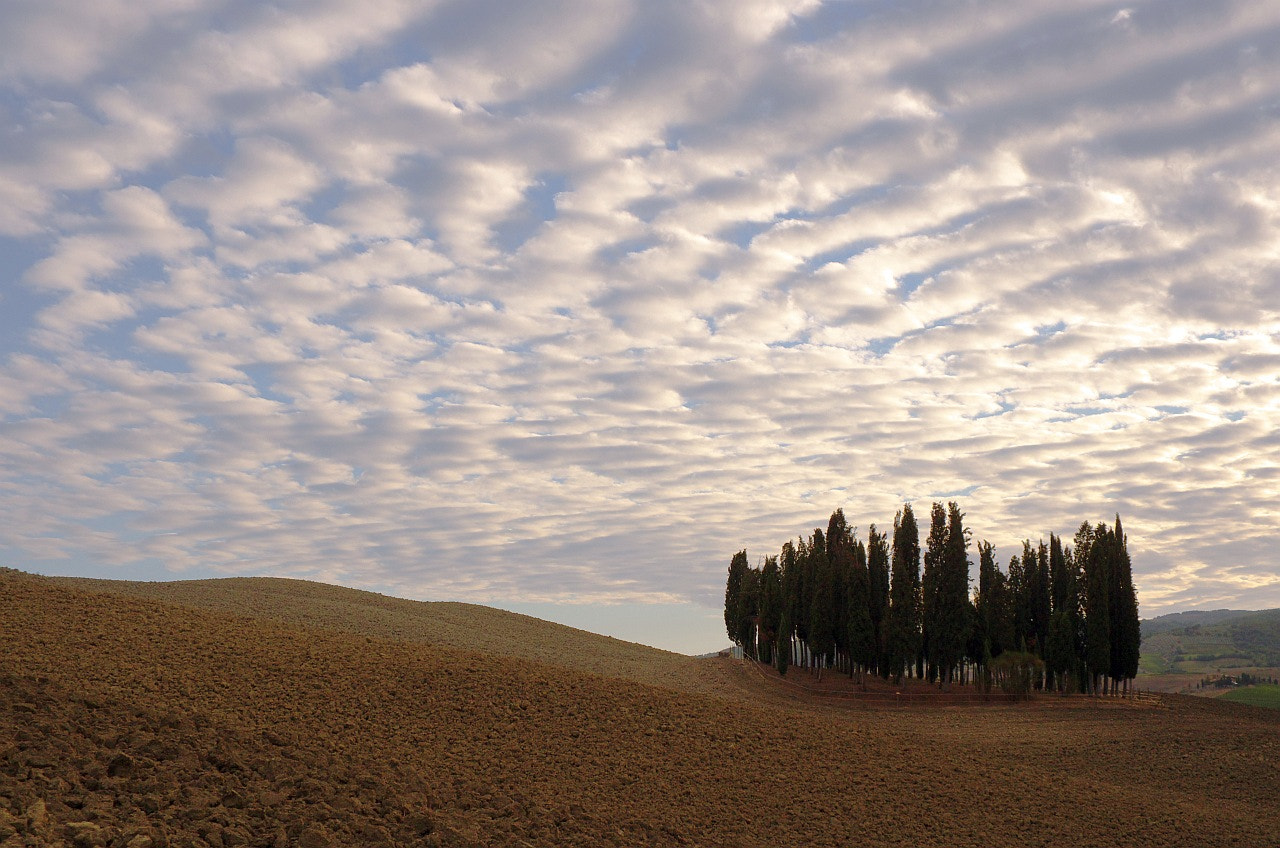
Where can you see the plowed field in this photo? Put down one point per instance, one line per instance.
(126, 721)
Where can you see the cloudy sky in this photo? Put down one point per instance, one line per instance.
(556, 305)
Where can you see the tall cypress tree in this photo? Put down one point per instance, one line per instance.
(1062, 647)
(1003, 637)
(985, 608)
(904, 593)
(931, 606)
(1097, 608)
(840, 552)
(1020, 600)
(748, 613)
(1061, 586)
(782, 645)
(803, 593)
(953, 616)
(861, 631)
(770, 609)
(1040, 597)
(1126, 636)
(787, 579)
(822, 637)
(733, 589)
(878, 573)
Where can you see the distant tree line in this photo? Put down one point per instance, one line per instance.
(1059, 618)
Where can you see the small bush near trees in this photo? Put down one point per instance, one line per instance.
(1015, 672)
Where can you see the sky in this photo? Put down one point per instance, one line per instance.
(555, 305)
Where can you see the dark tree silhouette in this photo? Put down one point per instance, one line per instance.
(934, 559)
(904, 594)
(878, 574)
(732, 591)
(1068, 615)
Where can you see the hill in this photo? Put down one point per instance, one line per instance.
(445, 624)
(134, 722)
(1211, 641)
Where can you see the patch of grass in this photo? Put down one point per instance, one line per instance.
(1153, 664)
(1256, 696)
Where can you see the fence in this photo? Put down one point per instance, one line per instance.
(966, 697)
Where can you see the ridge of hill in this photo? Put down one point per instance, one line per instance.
(1200, 642)
(130, 722)
(445, 623)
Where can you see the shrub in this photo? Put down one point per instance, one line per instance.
(1015, 672)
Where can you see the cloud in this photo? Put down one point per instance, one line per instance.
(576, 299)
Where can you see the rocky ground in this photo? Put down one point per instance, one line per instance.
(132, 722)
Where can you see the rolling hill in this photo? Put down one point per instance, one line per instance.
(279, 713)
(439, 623)
(1205, 642)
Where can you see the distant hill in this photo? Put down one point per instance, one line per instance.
(1206, 642)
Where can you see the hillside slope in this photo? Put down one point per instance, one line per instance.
(1209, 641)
(129, 722)
(448, 624)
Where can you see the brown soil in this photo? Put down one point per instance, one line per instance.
(125, 721)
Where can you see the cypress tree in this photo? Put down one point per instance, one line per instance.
(878, 574)
(840, 552)
(804, 592)
(1059, 651)
(789, 574)
(733, 589)
(934, 563)
(1064, 625)
(1040, 597)
(782, 647)
(904, 593)
(1002, 632)
(749, 612)
(1097, 610)
(822, 604)
(952, 618)
(1061, 586)
(984, 606)
(788, 577)
(1126, 636)
(770, 609)
(861, 631)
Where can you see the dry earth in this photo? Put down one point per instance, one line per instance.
(131, 721)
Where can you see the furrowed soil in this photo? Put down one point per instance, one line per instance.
(143, 717)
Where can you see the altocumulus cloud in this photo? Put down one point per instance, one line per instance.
(570, 300)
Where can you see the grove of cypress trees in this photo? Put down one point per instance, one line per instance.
(829, 598)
